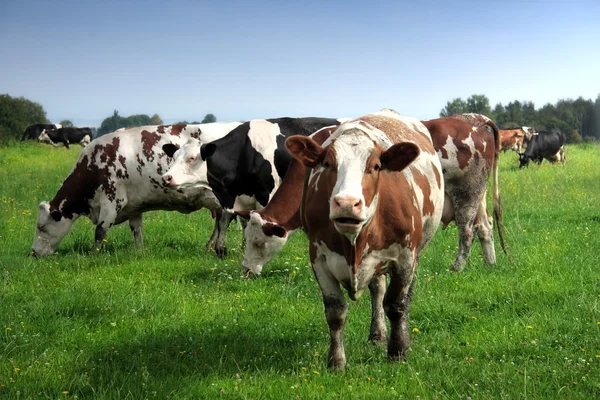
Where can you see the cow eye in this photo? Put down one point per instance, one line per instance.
(376, 167)
(325, 164)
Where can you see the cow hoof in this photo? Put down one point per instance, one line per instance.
(458, 267)
(396, 357)
(221, 252)
(248, 274)
(377, 338)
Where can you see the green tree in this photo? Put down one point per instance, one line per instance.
(156, 120)
(208, 118)
(479, 104)
(16, 114)
(66, 123)
(456, 106)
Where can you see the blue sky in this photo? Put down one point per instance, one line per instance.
(259, 59)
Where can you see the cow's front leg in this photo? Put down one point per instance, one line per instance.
(336, 310)
(135, 224)
(224, 221)
(378, 331)
(396, 303)
(106, 219)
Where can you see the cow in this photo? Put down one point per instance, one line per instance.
(67, 135)
(33, 131)
(467, 151)
(118, 178)
(544, 144)
(512, 138)
(242, 168)
(268, 229)
(372, 201)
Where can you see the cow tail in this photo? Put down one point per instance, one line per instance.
(497, 199)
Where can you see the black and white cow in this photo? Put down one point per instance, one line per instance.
(117, 178)
(67, 135)
(543, 144)
(33, 131)
(244, 167)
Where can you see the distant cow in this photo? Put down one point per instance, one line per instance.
(33, 131)
(512, 138)
(244, 167)
(548, 145)
(83, 136)
(371, 204)
(118, 178)
(467, 146)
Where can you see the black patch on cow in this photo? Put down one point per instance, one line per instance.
(236, 168)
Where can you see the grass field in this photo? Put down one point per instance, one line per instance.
(173, 321)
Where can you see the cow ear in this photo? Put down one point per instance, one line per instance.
(56, 215)
(207, 150)
(170, 149)
(274, 230)
(305, 150)
(399, 156)
(244, 214)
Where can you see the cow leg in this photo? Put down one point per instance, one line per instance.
(485, 231)
(465, 214)
(106, 219)
(396, 303)
(378, 330)
(135, 224)
(336, 310)
(224, 221)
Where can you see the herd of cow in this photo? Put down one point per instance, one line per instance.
(369, 192)
(55, 133)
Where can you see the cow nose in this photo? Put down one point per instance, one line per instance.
(168, 179)
(347, 204)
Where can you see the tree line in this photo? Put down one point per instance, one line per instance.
(578, 120)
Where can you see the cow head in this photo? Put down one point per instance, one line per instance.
(188, 169)
(44, 138)
(264, 240)
(51, 228)
(349, 167)
(523, 160)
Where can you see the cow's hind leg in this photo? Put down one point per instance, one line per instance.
(465, 221)
(396, 304)
(135, 224)
(485, 231)
(378, 331)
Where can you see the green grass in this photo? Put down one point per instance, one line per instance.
(173, 321)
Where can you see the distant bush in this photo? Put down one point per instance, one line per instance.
(16, 114)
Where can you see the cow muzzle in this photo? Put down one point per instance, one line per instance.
(347, 213)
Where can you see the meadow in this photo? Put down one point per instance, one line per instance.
(173, 321)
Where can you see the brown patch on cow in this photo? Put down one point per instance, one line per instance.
(177, 128)
(149, 140)
(122, 161)
(161, 128)
(438, 177)
(398, 131)
(423, 184)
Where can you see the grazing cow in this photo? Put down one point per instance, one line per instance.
(548, 145)
(371, 203)
(117, 178)
(468, 155)
(512, 138)
(33, 131)
(268, 229)
(244, 167)
(83, 136)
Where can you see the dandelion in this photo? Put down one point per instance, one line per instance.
(416, 330)
(316, 372)
(294, 272)
(473, 317)
(17, 369)
(65, 392)
(529, 327)
(8, 328)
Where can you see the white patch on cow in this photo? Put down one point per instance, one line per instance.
(260, 248)
(263, 136)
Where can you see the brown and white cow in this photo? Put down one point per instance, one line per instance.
(117, 178)
(512, 138)
(372, 202)
(467, 151)
(468, 146)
